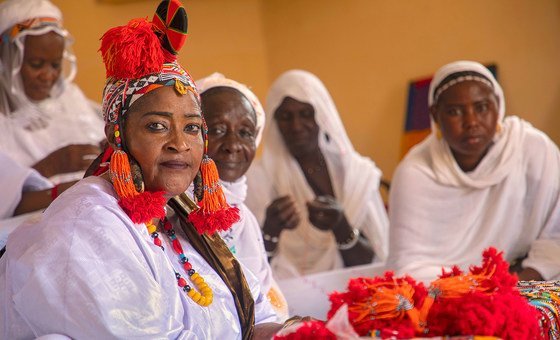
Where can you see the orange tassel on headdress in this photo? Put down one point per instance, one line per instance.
(141, 207)
(214, 213)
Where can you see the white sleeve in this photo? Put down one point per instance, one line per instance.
(15, 179)
(67, 295)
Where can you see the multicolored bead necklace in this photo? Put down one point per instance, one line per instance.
(204, 295)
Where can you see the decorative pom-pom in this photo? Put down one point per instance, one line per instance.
(308, 330)
(144, 207)
(132, 51)
(211, 222)
(171, 24)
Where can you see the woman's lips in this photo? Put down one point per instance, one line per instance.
(179, 165)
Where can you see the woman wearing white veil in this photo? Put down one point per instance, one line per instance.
(47, 123)
(480, 179)
(316, 198)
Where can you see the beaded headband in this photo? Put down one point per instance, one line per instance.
(468, 77)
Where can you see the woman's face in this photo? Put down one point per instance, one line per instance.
(232, 129)
(163, 132)
(42, 64)
(296, 122)
(467, 114)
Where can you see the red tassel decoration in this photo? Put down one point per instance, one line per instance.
(132, 51)
(214, 213)
(144, 207)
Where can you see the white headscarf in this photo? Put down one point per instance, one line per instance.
(355, 181)
(12, 12)
(442, 216)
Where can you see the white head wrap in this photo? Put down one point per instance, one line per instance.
(468, 66)
(219, 80)
(12, 12)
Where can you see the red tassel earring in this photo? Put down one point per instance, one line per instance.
(214, 213)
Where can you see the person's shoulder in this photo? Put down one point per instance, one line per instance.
(536, 144)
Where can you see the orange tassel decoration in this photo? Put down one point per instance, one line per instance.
(389, 301)
(121, 176)
(214, 213)
(141, 207)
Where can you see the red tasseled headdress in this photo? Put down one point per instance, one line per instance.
(131, 53)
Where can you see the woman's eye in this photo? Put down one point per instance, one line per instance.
(156, 126)
(216, 131)
(193, 128)
(35, 64)
(307, 113)
(56, 66)
(246, 133)
(482, 107)
(283, 116)
(454, 111)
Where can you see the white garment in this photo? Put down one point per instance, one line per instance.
(355, 181)
(14, 180)
(71, 119)
(88, 272)
(244, 238)
(441, 216)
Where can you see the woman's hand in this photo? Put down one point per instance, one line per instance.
(281, 214)
(71, 158)
(324, 212)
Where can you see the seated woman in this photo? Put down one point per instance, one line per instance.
(24, 190)
(235, 120)
(46, 121)
(479, 180)
(316, 198)
(115, 256)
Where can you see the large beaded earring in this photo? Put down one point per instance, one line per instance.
(137, 178)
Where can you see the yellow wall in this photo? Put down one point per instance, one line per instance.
(224, 35)
(366, 51)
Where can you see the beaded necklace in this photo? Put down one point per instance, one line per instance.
(204, 295)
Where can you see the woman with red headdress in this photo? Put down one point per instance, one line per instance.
(121, 254)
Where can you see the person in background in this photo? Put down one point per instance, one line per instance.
(235, 120)
(480, 179)
(47, 123)
(317, 200)
(24, 191)
(120, 255)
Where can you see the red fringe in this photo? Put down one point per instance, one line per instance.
(210, 222)
(132, 51)
(495, 308)
(144, 207)
(309, 330)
